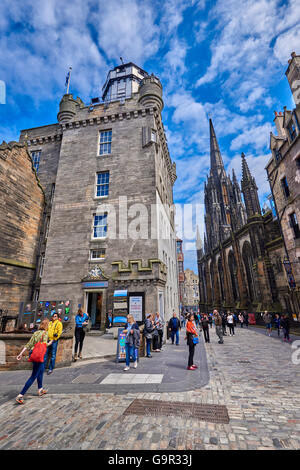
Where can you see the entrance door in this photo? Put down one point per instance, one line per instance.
(94, 308)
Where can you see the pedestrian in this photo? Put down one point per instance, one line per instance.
(197, 319)
(277, 323)
(224, 322)
(267, 318)
(285, 323)
(246, 318)
(132, 341)
(182, 319)
(40, 336)
(109, 319)
(159, 325)
(241, 319)
(81, 321)
(54, 333)
(148, 333)
(191, 335)
(174, 327)
(218, 324)
(235, 319)
(230, 323)
(205, 327)
(210, 319)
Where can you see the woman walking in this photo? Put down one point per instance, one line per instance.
(191, 334)
(40, 336)
(241, 319)
(158, 338)
(81, 321)
(132, 341)
(230, 322)
(285, 323)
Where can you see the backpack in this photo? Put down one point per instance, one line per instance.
(39, 351)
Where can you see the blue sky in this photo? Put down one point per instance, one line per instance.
(224, 59)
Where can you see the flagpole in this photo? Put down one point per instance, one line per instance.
(70, 70)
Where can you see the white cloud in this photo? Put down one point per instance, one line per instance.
(257, 137)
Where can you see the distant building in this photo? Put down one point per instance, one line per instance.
(191, 289)
(21, 217)
(283, 171)
(180, 268)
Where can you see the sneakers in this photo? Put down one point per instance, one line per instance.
(135, 364)
(149, 355)
(49, 372)
(126, 368)
(20, 400)
(75, 357)
(42, 392)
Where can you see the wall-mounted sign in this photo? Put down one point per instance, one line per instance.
(136, 307)
(91, 285)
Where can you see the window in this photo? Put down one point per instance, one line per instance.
(47, 227)
(36, 156)
(42, 265)
(100, 226)
(298, 163)
(105, 142)
(52, 192)
(180, 266)
(285, 187)
(278, 155)
(98, 254)
(292, 130)
(294, 225)
(102, 184)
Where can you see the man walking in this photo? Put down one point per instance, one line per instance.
(205, 327)
(267, 318)
(54, 333)
(218, 324)
(174, 326)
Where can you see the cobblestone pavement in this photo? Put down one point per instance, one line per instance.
(251, 374)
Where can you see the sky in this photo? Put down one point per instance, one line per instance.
(221, 59)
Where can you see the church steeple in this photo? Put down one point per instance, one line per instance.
(249, 189)
(216, 162)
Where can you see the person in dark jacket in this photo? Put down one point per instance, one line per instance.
(277, 323)
(224, 322)
(148, 333)
(174, 327)
(285, 323)
(205, 327)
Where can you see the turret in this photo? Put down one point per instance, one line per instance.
(67, 108)
(151, 93)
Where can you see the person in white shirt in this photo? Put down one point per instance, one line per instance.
(230, 322)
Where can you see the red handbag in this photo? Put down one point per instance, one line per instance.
(38, 352)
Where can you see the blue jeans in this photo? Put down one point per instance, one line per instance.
(148, 346)
(130, 351)
(173, 333)
(37, 373)
(53, 348)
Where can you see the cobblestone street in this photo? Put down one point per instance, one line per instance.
(250, 374)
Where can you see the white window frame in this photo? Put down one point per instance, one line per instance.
(99, 258)
(93, 233)
(36, 162)
(105, 143)
(42, 263)
(102, 184)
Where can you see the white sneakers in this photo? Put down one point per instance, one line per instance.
(134, 366)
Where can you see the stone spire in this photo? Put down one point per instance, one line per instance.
(249, 190)
(216, 162)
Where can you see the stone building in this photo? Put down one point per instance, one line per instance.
(239, 267)
(191, 289)
(108, 180)
(283, 171)
(21, 215)
(180, 267)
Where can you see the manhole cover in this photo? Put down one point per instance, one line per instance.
(203, 412)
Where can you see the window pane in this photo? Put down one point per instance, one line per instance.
(102, 187)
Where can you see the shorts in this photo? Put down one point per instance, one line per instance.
(268, 326)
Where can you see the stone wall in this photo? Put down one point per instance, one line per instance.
(12, 344)
(22, 205)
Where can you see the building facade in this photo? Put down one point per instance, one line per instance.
(283, 171)
(108, 180)
(180, 268)
(191, 289)
(21, 215)
(239, 266)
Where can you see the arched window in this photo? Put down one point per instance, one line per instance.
(221, 278)
(248, 263)
(233, 275)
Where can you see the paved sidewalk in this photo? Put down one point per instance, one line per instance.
(252, 375)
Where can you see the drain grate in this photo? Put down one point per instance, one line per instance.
(202, 412)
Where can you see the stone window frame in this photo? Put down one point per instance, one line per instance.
(102, 184)
(42, 264)
(285, 186)
(294, 226)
